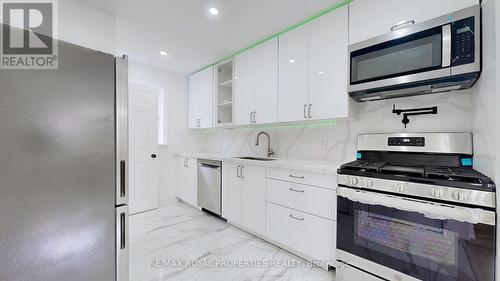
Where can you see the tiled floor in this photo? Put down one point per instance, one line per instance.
(178, 242)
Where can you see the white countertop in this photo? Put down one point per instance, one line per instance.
(324, 167)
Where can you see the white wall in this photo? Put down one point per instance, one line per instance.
(180, 139)
(484, 97)
(304, 141)
(84, 25)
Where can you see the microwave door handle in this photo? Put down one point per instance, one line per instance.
(446, 45)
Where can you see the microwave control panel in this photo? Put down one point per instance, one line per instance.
(463, 42)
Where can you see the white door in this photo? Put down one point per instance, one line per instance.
(143, 137)
(293, 74)
(244, 87)
(253, 203)
(368, 18)
(231, 192)
(266, 82)
(328, 65)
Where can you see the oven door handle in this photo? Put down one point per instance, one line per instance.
(429, 209)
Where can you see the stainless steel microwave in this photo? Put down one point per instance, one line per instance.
(437, 55)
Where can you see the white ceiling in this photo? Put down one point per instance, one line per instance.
(192, 37)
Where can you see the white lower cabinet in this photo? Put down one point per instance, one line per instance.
(302, 232)
(253, 202)
(294, 215)
(315, 200)
(231, 192)
(187, 180)
(244, 196)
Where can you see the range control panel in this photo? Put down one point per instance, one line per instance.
(406, 141)
(464, 42)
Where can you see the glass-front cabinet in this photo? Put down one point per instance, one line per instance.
(224, 94)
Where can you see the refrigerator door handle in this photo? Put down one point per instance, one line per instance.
(123, 179)
(122, 153)
(122, 243)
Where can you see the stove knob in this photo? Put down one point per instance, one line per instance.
(354, 181)
(460, 195)
(399, 187)
(368, 183)
(437, 192)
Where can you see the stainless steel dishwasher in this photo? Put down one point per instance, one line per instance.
(210, 186)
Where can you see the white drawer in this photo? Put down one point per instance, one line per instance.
(310, 199)
(316, 179)
(308, 234)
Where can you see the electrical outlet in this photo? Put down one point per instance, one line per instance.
(324, 143)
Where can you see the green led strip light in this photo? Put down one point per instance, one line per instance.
(306, 21)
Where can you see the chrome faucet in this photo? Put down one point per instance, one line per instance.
(270, 152)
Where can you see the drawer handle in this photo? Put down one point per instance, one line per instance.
(296, 218)
(296, 190)
(296, 177)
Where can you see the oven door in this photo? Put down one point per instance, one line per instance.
(422, 239)
(413, 57)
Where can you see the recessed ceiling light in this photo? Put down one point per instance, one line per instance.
(163, 53)
(291, 61)
(321, 72)
(213, 11)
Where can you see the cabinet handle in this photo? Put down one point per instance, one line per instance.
(403, 24)
(255, 117)
(305, 109)
(296, 190)
(238, 171)
(309, 112)
(251, 114)
(296, 218)
(296, 177)
(241, 172)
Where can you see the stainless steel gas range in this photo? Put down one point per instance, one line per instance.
(411, 207)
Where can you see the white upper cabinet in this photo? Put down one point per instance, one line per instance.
(243, 88)
(256, 84)
(266, 82)
(201, 89)
(313, 69)
(368, 18)
(328, 64)
(294, 74)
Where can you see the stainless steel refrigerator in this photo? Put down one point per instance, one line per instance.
(63, 180)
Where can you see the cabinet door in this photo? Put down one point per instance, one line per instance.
(187, 183)
(244, 87)
(328, 65)
(293, 74)
(231, 192)
(368, 18)
(253, 203)
(266, 82)
(201, 86)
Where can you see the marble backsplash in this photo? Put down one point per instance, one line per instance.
(304, 140)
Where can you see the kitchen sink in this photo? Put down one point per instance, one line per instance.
(255, 158)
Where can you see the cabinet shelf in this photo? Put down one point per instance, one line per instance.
(227, 83)
(226, 103)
